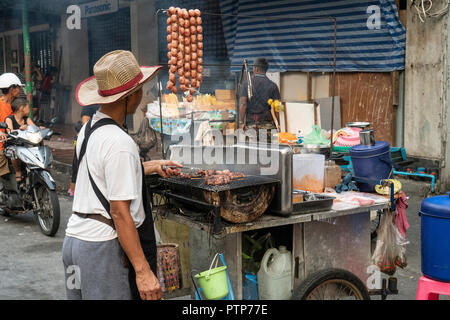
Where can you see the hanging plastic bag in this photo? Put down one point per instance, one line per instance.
(316, 137)
(390, 249)
(145, 137)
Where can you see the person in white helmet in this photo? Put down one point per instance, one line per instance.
(10, 86)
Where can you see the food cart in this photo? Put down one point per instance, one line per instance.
(328, 246)
(321, 238)
(321, 243)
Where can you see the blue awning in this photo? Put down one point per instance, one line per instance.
(370, 36)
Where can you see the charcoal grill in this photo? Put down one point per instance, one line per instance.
(243, 198)
(199, 183)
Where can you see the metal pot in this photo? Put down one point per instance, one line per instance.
(312, 148)
(361, 125)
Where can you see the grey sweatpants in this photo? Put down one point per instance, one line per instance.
(94, 270)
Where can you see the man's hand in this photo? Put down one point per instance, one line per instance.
(155, 166)
(148, 285)
(23, 127)
(3, 137)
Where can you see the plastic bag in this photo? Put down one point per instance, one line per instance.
(316, 137)
(145, 137)
(390, 249)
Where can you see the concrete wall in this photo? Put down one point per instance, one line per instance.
(144, 42)
(76, 50)
(75, 63)
(426, 83)
(294, 86)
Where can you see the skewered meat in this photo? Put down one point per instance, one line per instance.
(217, 179)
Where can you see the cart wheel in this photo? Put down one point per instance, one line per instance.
(331, 284)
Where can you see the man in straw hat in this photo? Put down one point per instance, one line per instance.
(109, 251)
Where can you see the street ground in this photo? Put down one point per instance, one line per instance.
(31, 265)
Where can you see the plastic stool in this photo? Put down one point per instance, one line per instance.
(429, 289)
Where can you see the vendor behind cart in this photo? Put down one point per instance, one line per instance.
(255, 112)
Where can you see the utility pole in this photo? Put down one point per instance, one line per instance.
(26, 46)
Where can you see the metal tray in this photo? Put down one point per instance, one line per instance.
(322, 203)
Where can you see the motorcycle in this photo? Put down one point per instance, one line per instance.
(37, 191)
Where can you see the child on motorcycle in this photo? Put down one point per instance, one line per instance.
(19, 120)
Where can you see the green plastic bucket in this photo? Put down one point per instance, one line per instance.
(214, 282)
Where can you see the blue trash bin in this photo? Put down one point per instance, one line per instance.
(435, 242)
(371, 162)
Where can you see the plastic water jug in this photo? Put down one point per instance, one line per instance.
(275, 275)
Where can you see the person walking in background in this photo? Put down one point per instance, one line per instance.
(46, 91)
(112, 222)
(36, 79)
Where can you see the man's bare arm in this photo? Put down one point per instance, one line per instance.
(147, 283)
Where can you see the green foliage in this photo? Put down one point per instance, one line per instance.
(253, 249)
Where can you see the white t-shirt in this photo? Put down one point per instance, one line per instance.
(115, 166)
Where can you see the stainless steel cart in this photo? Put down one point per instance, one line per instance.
(321, 241)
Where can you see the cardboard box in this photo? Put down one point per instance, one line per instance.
(222, 95)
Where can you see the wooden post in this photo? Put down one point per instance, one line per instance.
(309, 87)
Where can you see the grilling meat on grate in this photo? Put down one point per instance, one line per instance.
(217, 178)
(213, 177)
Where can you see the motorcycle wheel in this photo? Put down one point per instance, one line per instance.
(49, 217)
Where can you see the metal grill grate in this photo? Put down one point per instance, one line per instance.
(199, 183)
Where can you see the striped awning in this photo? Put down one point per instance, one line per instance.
(299, 35)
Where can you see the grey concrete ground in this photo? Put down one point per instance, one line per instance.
(30, 262)
(31, 267)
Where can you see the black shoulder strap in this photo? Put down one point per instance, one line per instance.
(87, 134)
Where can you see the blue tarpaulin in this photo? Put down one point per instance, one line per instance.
(299, 35)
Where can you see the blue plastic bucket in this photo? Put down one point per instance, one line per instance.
(435, 227)
(371, 162)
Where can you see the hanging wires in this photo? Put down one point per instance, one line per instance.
(424, 9)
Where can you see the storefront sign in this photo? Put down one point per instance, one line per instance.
(99, 7)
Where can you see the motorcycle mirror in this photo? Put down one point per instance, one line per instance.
(3, 125)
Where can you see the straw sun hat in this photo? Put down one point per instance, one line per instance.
(116, 75)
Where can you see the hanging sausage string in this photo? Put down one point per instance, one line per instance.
(185, 50)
